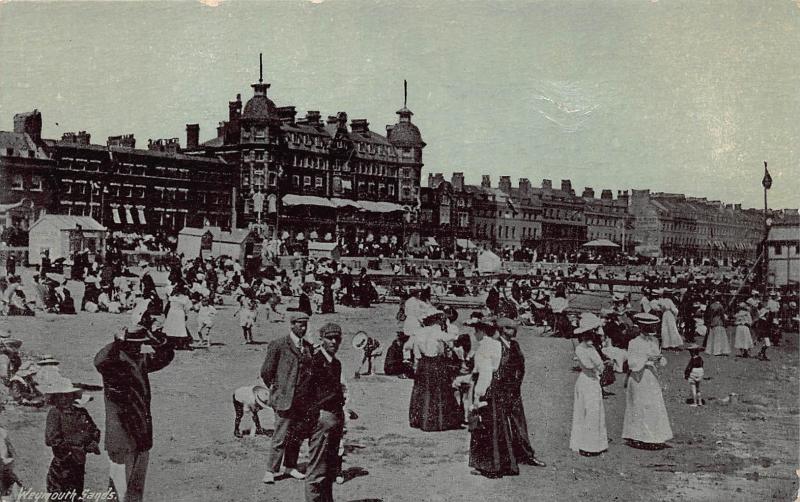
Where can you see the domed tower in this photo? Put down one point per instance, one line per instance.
(407, 140)
(259, 117)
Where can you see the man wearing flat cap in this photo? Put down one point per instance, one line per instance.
(287, 373)
(126, 387)
(328, 403)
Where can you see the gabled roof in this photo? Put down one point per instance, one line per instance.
(69, 222)
(21, 144)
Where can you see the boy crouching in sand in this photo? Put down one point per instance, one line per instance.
(250, 398)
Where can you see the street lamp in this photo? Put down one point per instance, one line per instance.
(766, 182)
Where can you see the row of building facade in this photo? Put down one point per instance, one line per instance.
(266, 166)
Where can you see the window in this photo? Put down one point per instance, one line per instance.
(391, 189)
(295, 180)
(318, 182)
(273, 179)
(9, 151)
(17, 182)
(306, 181)
(36, 183)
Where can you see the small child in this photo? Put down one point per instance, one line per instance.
(206, 314)
(348, 416)
(71, 433)
(742, 339)
(8, 480)
(370, 348)
(694, 373)
(247, 317)
(251, 398)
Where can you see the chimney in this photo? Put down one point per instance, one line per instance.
(332, 119)
(547, 184)
(737, 207)
(313, 118)
(524, 186)
(287, 114)
(29, 123)
(566, 186)
(79, 138)
(232, 131)
(192, 136)
(624, 197)
(486, 181)
(588, 193)
(235, 110)
(607, 195)
(430, 180)
(125, 141)
(171, 145)
(505, 184)
(341, 117)
(359, 125)
(221, 129)
(457, 181)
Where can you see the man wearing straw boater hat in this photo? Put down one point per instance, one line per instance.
(126, 387)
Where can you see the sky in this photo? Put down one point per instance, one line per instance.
(675, 96)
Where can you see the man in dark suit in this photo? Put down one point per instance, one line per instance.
(323, 464)
(129, 425)
(512, 383)
(287, 374)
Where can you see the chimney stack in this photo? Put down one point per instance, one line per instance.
(607, 195)
(505, 184)
(192, 136)
(457, 181)
(79, 138)
(29, 123)
(287, 114)
(486, 181)
(430, 180)
(524, 187)
(547, 184)
(566, 186)
(125, 141)
(313, 118)
(624, 197)
(359, 126)
(588, 193)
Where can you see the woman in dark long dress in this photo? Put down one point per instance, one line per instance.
(491, 447)
(327, 293)
(433, 406)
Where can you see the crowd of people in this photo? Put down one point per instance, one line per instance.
(462, 378)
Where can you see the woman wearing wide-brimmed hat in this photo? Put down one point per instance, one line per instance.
(742, 338)
(491, 447)
(646, 421)
(588, 436)
(670, 337)
(433, 406)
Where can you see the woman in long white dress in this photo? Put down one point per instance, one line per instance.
(670, 337)
(588, 436)
(175, 323)
(646, 421)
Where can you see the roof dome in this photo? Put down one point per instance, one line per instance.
(259, 107)
(405, 134)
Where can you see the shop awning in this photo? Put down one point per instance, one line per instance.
(345, 203)
(430, 241)
(115, 214)
(128, 215)
(306, 200)
(380, 207)
(142, 220)
(465, 244)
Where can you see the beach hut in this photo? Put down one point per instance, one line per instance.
(64, 235)
(191, 241)
(318, 250)
(239, 244)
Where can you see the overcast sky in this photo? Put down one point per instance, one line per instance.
(677, 96)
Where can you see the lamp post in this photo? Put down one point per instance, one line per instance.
(766, 182)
